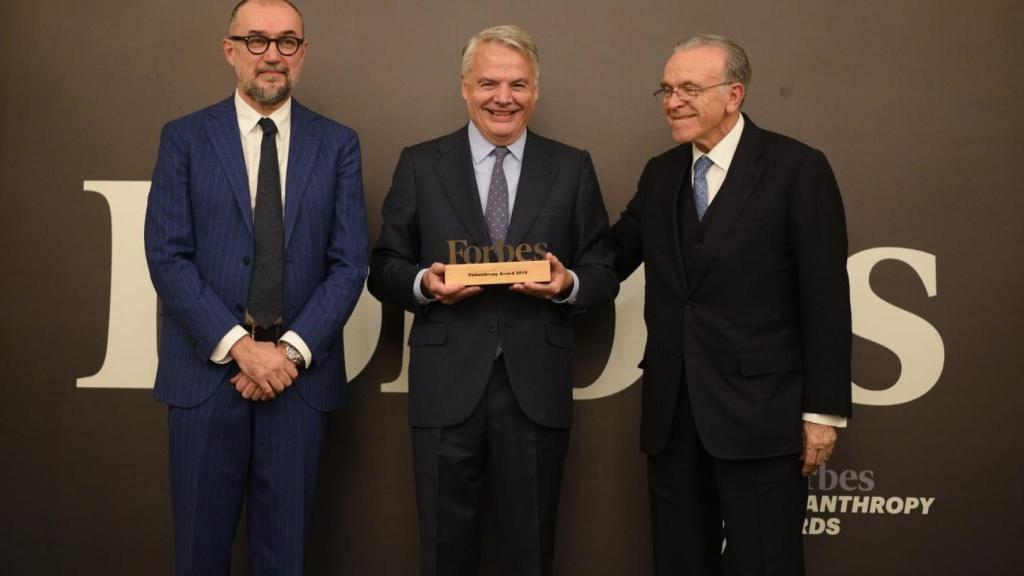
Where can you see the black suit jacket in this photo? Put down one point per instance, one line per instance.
(433, 199)
(759, 324)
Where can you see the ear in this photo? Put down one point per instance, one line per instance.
(464, 85)
(737, 94)
(228, 47)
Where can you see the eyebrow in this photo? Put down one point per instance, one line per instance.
(496, 81)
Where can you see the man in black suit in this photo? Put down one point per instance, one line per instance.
(490, 388)
(747, 364)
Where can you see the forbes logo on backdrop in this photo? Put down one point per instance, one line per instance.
(131, 352)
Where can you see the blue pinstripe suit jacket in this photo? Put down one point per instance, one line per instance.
(199, 246)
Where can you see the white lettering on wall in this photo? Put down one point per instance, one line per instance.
(627, 345)
(916, 342)
(130, 361)
(131, 354)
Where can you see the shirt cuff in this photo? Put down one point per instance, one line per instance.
(571, 298)
(417, 289)
(291, 337)
(222, 353)
(826, 419)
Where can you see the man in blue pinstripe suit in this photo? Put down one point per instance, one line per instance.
(256, 243)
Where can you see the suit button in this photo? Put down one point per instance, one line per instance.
(492, 327)
(246, 260)
(239, 308)
(700, 245)
(689, 305)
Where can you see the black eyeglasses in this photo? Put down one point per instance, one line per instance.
(256, 44)
(684, 92)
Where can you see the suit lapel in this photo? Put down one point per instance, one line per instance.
(223, 133)
(454, 170)
(673, 189)
(305, 140)
(744, 174)
(535, 180)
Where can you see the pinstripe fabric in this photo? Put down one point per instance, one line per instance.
(199, 246)
(228, 448)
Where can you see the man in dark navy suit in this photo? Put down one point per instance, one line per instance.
(256, 243)
(490, 384)
(747, 364)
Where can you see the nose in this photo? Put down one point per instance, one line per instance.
(504, 94)
(675, 101)
(272, 54)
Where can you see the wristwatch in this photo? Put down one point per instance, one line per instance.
(294, 355)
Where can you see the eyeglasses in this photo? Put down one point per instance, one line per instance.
(286, 45)
(684, 92)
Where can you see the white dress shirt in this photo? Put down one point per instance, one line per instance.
(721, 157)
(252, 140)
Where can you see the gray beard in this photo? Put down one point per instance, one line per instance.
(269, 96)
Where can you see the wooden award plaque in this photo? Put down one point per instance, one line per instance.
(498, 273)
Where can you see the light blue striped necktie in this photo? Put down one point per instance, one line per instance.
(700, 185)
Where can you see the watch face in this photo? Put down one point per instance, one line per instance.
(294, 355)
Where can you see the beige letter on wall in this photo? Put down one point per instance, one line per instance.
(627, 345)
(916, 342)
(130, 360)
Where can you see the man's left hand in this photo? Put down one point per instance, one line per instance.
(249, 389)
(560, 283)
(819, 442)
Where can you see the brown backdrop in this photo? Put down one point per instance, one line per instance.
(915, 103)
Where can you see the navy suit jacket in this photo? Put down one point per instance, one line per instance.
(434, 199)
(759, 325)
(199, 246)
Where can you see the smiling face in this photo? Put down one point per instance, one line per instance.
(706, 118)
(501, 91)
(265, 80)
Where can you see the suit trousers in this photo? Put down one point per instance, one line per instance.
(754, 506)
(229, 449)
(523, 463)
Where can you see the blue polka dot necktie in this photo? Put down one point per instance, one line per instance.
(497, 198)
(700, 185)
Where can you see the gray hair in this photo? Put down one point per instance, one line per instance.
(508, 35)
(737, 65)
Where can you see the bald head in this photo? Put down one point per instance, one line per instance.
(234, 11)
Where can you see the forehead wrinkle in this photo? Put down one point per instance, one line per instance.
(257, 32)
(688, 76)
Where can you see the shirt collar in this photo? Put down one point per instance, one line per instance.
(248, 117)
(724, 151)
(480, 147)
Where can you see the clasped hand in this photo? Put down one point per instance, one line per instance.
(265, 369)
